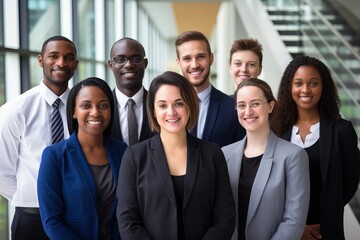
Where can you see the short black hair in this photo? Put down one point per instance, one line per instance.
(56, 38)
(91, 81)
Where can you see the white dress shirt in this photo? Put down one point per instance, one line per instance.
(122, 108)
(24, 133)
(204, 99)
(310, 139)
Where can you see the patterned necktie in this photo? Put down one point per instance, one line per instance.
(57, 128)
(132, 123)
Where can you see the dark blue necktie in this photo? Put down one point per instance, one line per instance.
(57, 128)
(132, 123)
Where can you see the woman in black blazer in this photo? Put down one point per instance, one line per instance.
(309, 116)
(174, 185)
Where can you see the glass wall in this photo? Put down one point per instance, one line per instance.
(3, 202)
(43, 22)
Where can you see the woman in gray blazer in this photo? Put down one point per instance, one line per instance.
(269, 176)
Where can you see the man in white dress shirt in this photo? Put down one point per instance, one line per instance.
(25, 131)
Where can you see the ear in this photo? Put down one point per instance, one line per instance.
(211, 58)
(271, 106)
(178, 61)
(40, 60)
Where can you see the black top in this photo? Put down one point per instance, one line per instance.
(178, 182)
(315, 183)
(249, 168)
(105, 190)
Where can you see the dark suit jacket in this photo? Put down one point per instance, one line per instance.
(340, 169)
(67, 190)
(147, 205)
(222, 125)
(145, 127)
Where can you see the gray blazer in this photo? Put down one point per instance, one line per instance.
(280, 194)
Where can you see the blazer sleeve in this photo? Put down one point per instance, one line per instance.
(297, 197)
(224, 206)
(350, 158)
(50, 197)
(128, 214)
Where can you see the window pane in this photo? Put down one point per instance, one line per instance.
(36, 72)
(1, 24)
(44, 21)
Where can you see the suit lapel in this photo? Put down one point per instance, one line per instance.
(82, 167)
(211, 114)
(159, 160)
(262, 176)
(326, 135)
(192, 163)
(115, 128)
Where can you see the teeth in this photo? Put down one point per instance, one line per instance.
(94, 122)
(195, 73)
(172, 120)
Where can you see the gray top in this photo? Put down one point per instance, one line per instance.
(105, 188)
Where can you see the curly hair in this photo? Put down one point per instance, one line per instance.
(328, 105)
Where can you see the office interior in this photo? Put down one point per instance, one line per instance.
(326, 29)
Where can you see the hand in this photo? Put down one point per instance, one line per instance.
(311, 232)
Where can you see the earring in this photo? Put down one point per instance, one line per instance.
(74, 117)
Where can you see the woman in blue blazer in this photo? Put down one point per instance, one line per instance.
(309, 116)
(269, 176)
(78, 177)
(174, 185)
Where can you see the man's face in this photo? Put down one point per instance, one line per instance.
(59, 63)
(128, 64)
(195, 61)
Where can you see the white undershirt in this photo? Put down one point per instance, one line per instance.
(310, 139)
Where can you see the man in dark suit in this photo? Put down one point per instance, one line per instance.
(128, 63)
(217, 120)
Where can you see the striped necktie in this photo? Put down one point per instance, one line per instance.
(57, 128)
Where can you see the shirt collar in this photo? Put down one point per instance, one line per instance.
(50, 97)
(122, 98)
(205, 94)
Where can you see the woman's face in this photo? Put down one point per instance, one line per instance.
(306, 88)
(92, 110)
(170, 109)
(244, 64)
(253, 109)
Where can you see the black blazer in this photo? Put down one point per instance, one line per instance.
(145, 127)
(340, 169)
(147, 205)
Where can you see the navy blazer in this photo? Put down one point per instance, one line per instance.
(340, 169)
(222, 125)
(145, 127)
(67, 190)
(147, 206)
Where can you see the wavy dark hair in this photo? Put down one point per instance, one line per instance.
(187, 92)
(91, 81)
(329, 103)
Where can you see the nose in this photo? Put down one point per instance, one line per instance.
(171, 110)
(194, 63)
(128, 63)
(243, 67)
(305, 88)
(61, 61)
(248, 110)
(95, 111)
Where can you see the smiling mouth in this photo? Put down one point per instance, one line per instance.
(94, 122)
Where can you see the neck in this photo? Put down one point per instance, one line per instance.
(173, 140)
(256, 142)
(129, 92)
(90, 141)
(202, 87)
(310, 116)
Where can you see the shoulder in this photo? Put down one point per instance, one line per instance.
(228, 149)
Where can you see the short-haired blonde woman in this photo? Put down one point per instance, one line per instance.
(174, 185)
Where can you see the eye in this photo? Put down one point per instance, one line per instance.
(252, 65)
(53, 56)
(120, 59)
(297, 83)
(104, 106)
(162, 106)
(85, 106)
(136, 59)
(314, 84)
(179, 104)
(186, 59)
(241, 106)
(255, 104)
(70, 58)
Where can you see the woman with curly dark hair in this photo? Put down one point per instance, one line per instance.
(309, 116)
